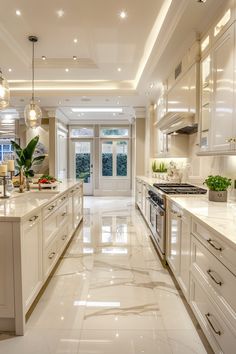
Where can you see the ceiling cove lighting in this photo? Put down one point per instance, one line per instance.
(97, 110)
(32, 112)
(4, 92)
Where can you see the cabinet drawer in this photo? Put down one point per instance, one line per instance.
(49, 228)
(62, 215)
(220, 248)
(212, 320)
(50, 256)
(63, 238)
(215, 277)
(50, 208)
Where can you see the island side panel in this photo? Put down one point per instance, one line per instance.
(6, 277)
(18, 281)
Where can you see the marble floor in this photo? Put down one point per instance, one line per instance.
(109, 294)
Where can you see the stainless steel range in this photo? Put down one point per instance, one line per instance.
(157, 209)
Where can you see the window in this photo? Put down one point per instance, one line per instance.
(114, 158)
(205, 43)
(83, 160)
(6, 150)
(223, 21)
(82, 132)
(114, 132)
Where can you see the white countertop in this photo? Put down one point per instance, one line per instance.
(220, 217)
(20, 205)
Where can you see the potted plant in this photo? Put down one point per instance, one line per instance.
(160, 169)
(218, 186)
(25, 160)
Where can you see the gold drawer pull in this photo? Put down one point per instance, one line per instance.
(64, 214)
(64, 237)
(212, 243)
(63, 198)
(209, 321)
(35, 217)
(51, 255)
(209, 272)
(51, 207)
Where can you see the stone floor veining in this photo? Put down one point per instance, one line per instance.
(110, 294)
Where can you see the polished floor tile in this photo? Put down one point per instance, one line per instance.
(109, 294)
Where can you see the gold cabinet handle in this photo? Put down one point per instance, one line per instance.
(51, 255)
(35, 217)
(210, 323)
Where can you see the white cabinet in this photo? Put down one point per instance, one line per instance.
(32, 276)
(178, 244)
(223, 113)
(218, 126)
(6, 271)
(174, 237)
(77, 205)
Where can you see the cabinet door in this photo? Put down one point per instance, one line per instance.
(6, 271)
(173, 244)
(223, 92)
(77, 207)
(185, 256)
(31, 259)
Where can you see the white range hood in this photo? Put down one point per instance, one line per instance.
(182, 122)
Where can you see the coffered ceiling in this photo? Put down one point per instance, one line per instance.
(93, 57)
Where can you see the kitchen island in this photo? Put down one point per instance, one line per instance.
(35, 228)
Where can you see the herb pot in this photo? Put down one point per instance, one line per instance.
(218, 196)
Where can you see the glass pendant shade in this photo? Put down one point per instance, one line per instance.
(33, 115)
(4, 93)
(32, 112)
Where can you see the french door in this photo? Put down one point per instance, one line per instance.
(83, 162)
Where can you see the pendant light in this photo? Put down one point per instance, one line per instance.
(32, 112)
(4, 92)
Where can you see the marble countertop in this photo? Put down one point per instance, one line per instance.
(19, 205)
(220, 217)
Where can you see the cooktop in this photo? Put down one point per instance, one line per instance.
(179, 188)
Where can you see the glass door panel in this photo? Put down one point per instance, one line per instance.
(121, 158)
(84, 164)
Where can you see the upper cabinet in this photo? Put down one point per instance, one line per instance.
(217, 126)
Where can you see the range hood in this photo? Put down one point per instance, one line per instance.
(179, 122)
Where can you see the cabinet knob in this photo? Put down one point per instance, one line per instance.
(35, 217)
(64, 237)
(51, 207)
(51, 255)
(229, 140)
(63, 214)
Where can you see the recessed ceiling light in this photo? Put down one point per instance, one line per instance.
(43, 57)
(119, 69)
(60, 13)
(10, 70)
(67, 70)
(75, 40)
(18, 13)
(123, 14)
(59, 102)
(74, 57)
(98, 110)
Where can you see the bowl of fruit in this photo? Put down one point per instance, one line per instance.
(46, 181)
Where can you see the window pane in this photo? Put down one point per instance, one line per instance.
(107, 159)
(83, 157)
(121, 158)
(81, 132)
(115, 132)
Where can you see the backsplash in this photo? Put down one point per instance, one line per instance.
(202, 166)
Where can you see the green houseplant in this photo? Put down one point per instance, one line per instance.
(161, 168)
(25, 160)
(218, 186)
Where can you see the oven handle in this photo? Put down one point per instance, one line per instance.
(160, 211)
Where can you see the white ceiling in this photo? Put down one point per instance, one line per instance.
(144, 45)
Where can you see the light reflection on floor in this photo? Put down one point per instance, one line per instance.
(110, 293)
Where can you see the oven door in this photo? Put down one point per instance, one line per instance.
(157, 223)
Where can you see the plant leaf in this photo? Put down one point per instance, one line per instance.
(30, 148)
(38, 159)
(18, 150)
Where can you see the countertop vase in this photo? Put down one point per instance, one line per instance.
(218, 196)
